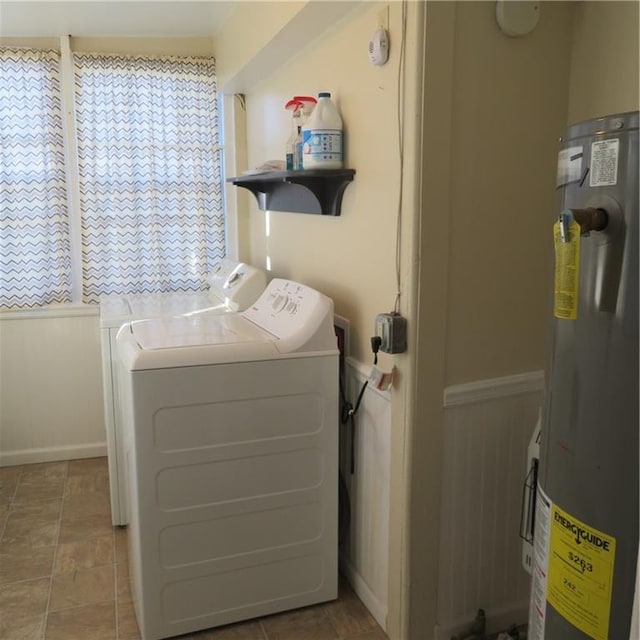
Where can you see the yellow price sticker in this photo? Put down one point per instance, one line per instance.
(581, 561)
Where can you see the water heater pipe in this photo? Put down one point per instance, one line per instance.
(590, 219)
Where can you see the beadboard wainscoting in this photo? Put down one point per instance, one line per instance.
(364, 553)
(50, 386)
(487, 428)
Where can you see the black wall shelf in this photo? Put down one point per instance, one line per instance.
(309, 191)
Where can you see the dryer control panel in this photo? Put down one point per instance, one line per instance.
(295, 314)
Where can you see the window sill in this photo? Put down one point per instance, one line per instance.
(71, 310)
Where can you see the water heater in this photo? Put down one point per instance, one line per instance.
(585, 556)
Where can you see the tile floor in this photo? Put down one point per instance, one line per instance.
(64, 571)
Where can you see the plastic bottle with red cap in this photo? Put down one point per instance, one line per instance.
(301, 108)
(308, 104)
(295, 107)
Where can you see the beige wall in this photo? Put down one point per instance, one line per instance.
(510, 98)
(604, 60)
(145, 46)
(350, 257)
(248, 30)
(35, 43)
(509, 108)
(425, 431)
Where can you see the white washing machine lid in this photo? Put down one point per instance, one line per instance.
(154, 305)
(233, 286)
(116, 310)
(196, 331)
(288, 320)
(163, 343)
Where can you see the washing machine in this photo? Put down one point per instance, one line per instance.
(231, 439)
(232, 286)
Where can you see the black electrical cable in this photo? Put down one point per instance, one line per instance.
(349, 411)
(344, 509)
(344, 502)
(348, 417)
(376, 343)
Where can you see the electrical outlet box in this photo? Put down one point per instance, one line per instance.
(392, 329)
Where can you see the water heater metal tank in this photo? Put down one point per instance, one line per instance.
(586, 530)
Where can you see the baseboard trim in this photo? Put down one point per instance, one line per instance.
(375, 607)
(492, 388)
(497, 620)
(53, 454)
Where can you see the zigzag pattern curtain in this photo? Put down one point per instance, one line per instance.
(35, 262)
(149, 169)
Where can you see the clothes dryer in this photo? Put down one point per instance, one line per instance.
(233, 286)
(232, 454)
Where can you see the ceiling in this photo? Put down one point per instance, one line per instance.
(104, 18)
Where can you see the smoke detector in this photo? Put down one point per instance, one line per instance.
(379, 47)
(517, 18)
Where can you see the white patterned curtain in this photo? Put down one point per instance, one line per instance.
(35, 262)
(149, 169)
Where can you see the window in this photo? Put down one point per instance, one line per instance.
(149, 173)
(35, 263)
(150, 203)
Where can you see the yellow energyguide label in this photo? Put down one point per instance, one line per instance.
(567, 275)
(580, 579)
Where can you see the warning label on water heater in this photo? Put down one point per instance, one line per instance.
(604, 163)
(580, 575)
(567, 272)
(538, 598)
(569, 166)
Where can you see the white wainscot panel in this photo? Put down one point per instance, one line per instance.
(50, 389)
(487, 428)
(364, 553)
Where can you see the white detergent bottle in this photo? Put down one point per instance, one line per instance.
(322, 136)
